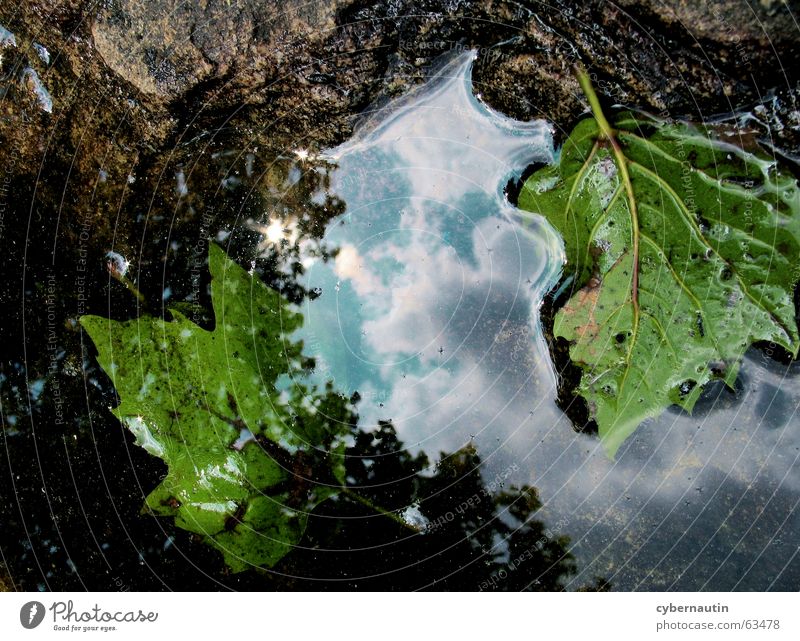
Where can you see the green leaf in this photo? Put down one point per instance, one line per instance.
(249, 454)
(684, 250)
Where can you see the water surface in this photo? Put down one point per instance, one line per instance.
(430, 313)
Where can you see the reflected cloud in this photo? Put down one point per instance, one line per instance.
(430, 312)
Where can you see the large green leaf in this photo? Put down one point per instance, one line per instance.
(684, 251)
(249, 455)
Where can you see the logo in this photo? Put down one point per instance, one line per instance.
(31, 614)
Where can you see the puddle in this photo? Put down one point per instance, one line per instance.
(430, 313)
(429, 307)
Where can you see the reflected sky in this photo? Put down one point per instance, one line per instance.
(430, 312)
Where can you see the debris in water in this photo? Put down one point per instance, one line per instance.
(7, 38)
(42, 52)
(181, 189)
(414, 517)
(117, 264)
(34, 83)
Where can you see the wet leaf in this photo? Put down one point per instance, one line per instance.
(685, 250)
(250, 449)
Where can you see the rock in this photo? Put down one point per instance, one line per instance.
(130, 81)
(674, 57)
(167, 47)
(313, 66)
(726, 21)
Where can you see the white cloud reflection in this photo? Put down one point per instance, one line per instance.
(430, 311)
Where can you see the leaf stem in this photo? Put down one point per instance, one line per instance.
(131, 287)
(119, 275)
(379, 510)
(608, 133)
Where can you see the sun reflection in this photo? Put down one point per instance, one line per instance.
(274, 231)
(302, 154)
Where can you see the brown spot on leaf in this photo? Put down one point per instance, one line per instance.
(585, 303)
